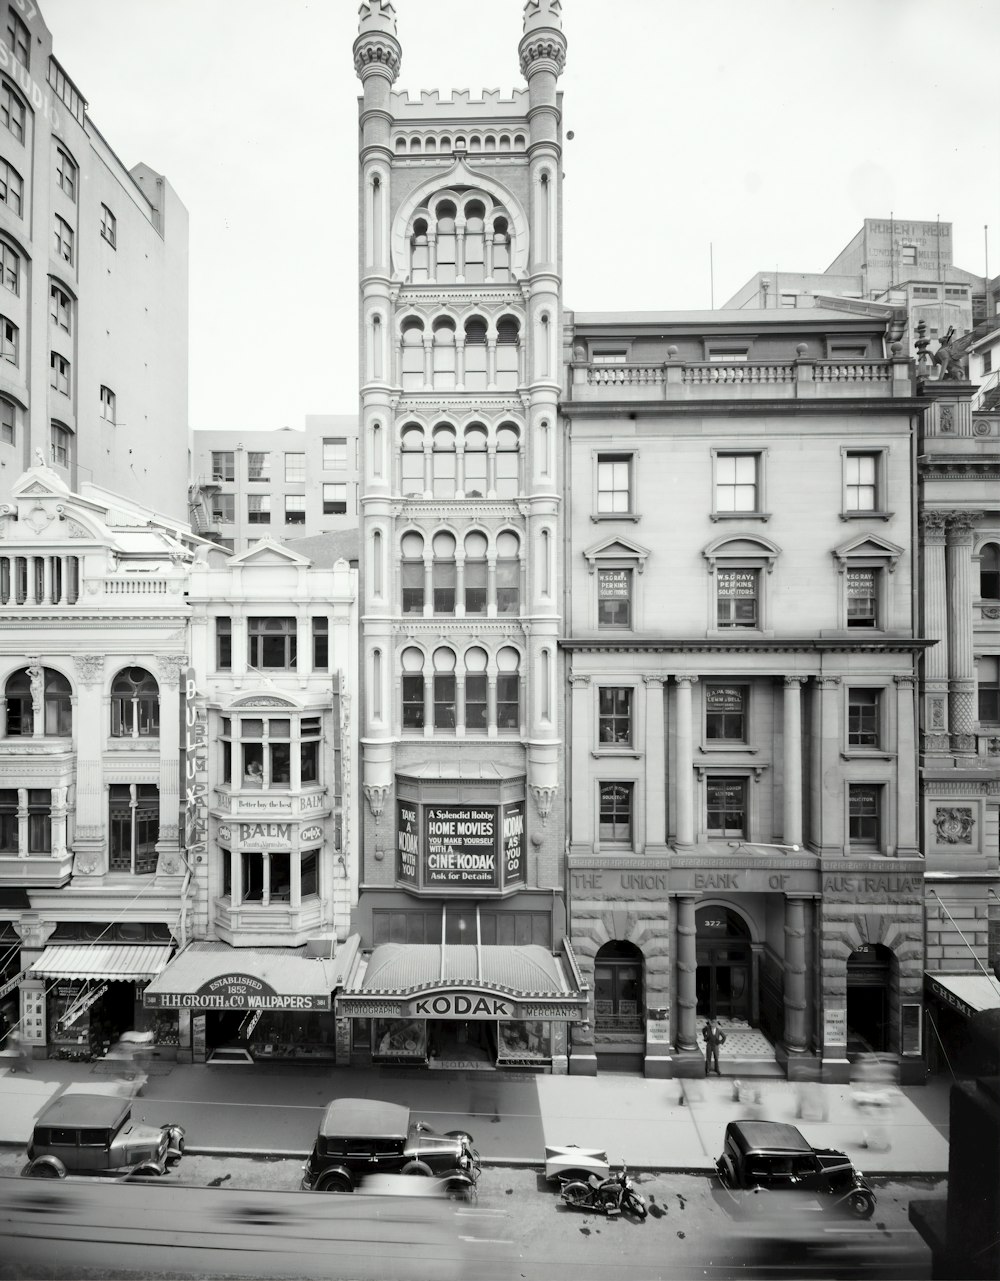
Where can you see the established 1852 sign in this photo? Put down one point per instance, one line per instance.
(236, 992)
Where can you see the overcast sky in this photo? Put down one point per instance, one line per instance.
(768, 129)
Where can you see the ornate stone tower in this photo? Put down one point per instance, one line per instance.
(460, 282)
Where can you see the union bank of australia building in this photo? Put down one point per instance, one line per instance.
(639, 642)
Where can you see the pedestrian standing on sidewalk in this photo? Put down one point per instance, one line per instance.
(713, 1036)
(15, 1043)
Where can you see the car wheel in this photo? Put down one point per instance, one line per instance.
(333, 1183)
(45, 1170)
(148, 1170)
(417, 1167)
(861, 1204)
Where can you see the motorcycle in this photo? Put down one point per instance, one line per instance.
(611, 1196)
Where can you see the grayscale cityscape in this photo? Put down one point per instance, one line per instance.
(493, 789)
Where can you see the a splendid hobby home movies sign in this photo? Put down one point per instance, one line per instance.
(460, 846)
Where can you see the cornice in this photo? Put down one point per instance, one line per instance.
(737, 408)
(763, 645)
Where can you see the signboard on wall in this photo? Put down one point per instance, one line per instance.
(513, 843)
(407, 843)
(834, 1026)
(461, 846)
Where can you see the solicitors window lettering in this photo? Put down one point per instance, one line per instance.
(726, 713)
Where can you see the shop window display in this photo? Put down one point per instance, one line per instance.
(400, 1038)
(521, 1039)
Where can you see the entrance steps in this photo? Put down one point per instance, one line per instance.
(747, 1052)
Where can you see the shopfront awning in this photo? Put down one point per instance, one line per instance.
(419, 980)
(215, 976)
(967, 993)
(109, 962)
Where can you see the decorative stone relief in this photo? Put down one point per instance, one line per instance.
(89, 668)
(954, 824)
(171, 666)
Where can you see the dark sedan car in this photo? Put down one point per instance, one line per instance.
(358, 1137)
(772, 1156)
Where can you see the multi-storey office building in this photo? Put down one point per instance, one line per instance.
(93, 291)
(271, 816)
(741, 658)
(461, 910)
(958, 467)
(275, 485)
(94, 886)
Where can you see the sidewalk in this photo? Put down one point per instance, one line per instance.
(651, 1124)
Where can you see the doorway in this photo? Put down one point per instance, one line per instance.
(869, 980)
(722, 980)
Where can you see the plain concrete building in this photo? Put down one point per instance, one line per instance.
(275, 485)
(93, 291)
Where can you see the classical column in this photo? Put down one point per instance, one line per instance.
(907, 838)
(687, 968)
(826, 807)
(795, 975)
(935, 627)
(656, 769)
(961, 667)
(684, 832)
(793, 760)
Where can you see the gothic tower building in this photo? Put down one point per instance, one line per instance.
(460, 902)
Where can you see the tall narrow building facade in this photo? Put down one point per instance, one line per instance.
(461, 901)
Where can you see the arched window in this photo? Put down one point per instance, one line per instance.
(508, 689)
(444, 689)
(411, 573)
(412, 662)
(508, 573)
(475, 252)
(618, 998)
(412, 371)
(508, 353)
(446, 242)
(41, 692)
(135, 704)
(444, 460)
(476, 573)
(476, 691)
(476, 459)
(419, 260)
(411, 478)
(443, 573)
(508, 461)
(444, 354)
(989, 572)
(475, 354)
(501, 250)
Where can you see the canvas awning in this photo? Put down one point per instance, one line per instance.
(967, 993)
(465, 981)
(110, 962)
(215, 976)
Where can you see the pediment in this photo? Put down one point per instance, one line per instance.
(866, 546)
(742, 545)
(267, 552)
(617, 548)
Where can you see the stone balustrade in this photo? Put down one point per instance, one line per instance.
(802, 377)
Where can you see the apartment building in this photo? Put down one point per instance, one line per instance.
(93, 291)
(276, 485)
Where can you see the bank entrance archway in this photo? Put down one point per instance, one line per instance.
(722, 985)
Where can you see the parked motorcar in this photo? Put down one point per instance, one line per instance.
(760, 1157)
(97, 1134)
(359, 1137)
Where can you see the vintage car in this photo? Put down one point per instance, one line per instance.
(761, 1157)
(359, 1137)
(97, 1134)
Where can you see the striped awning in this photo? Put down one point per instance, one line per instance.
(107, 961)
